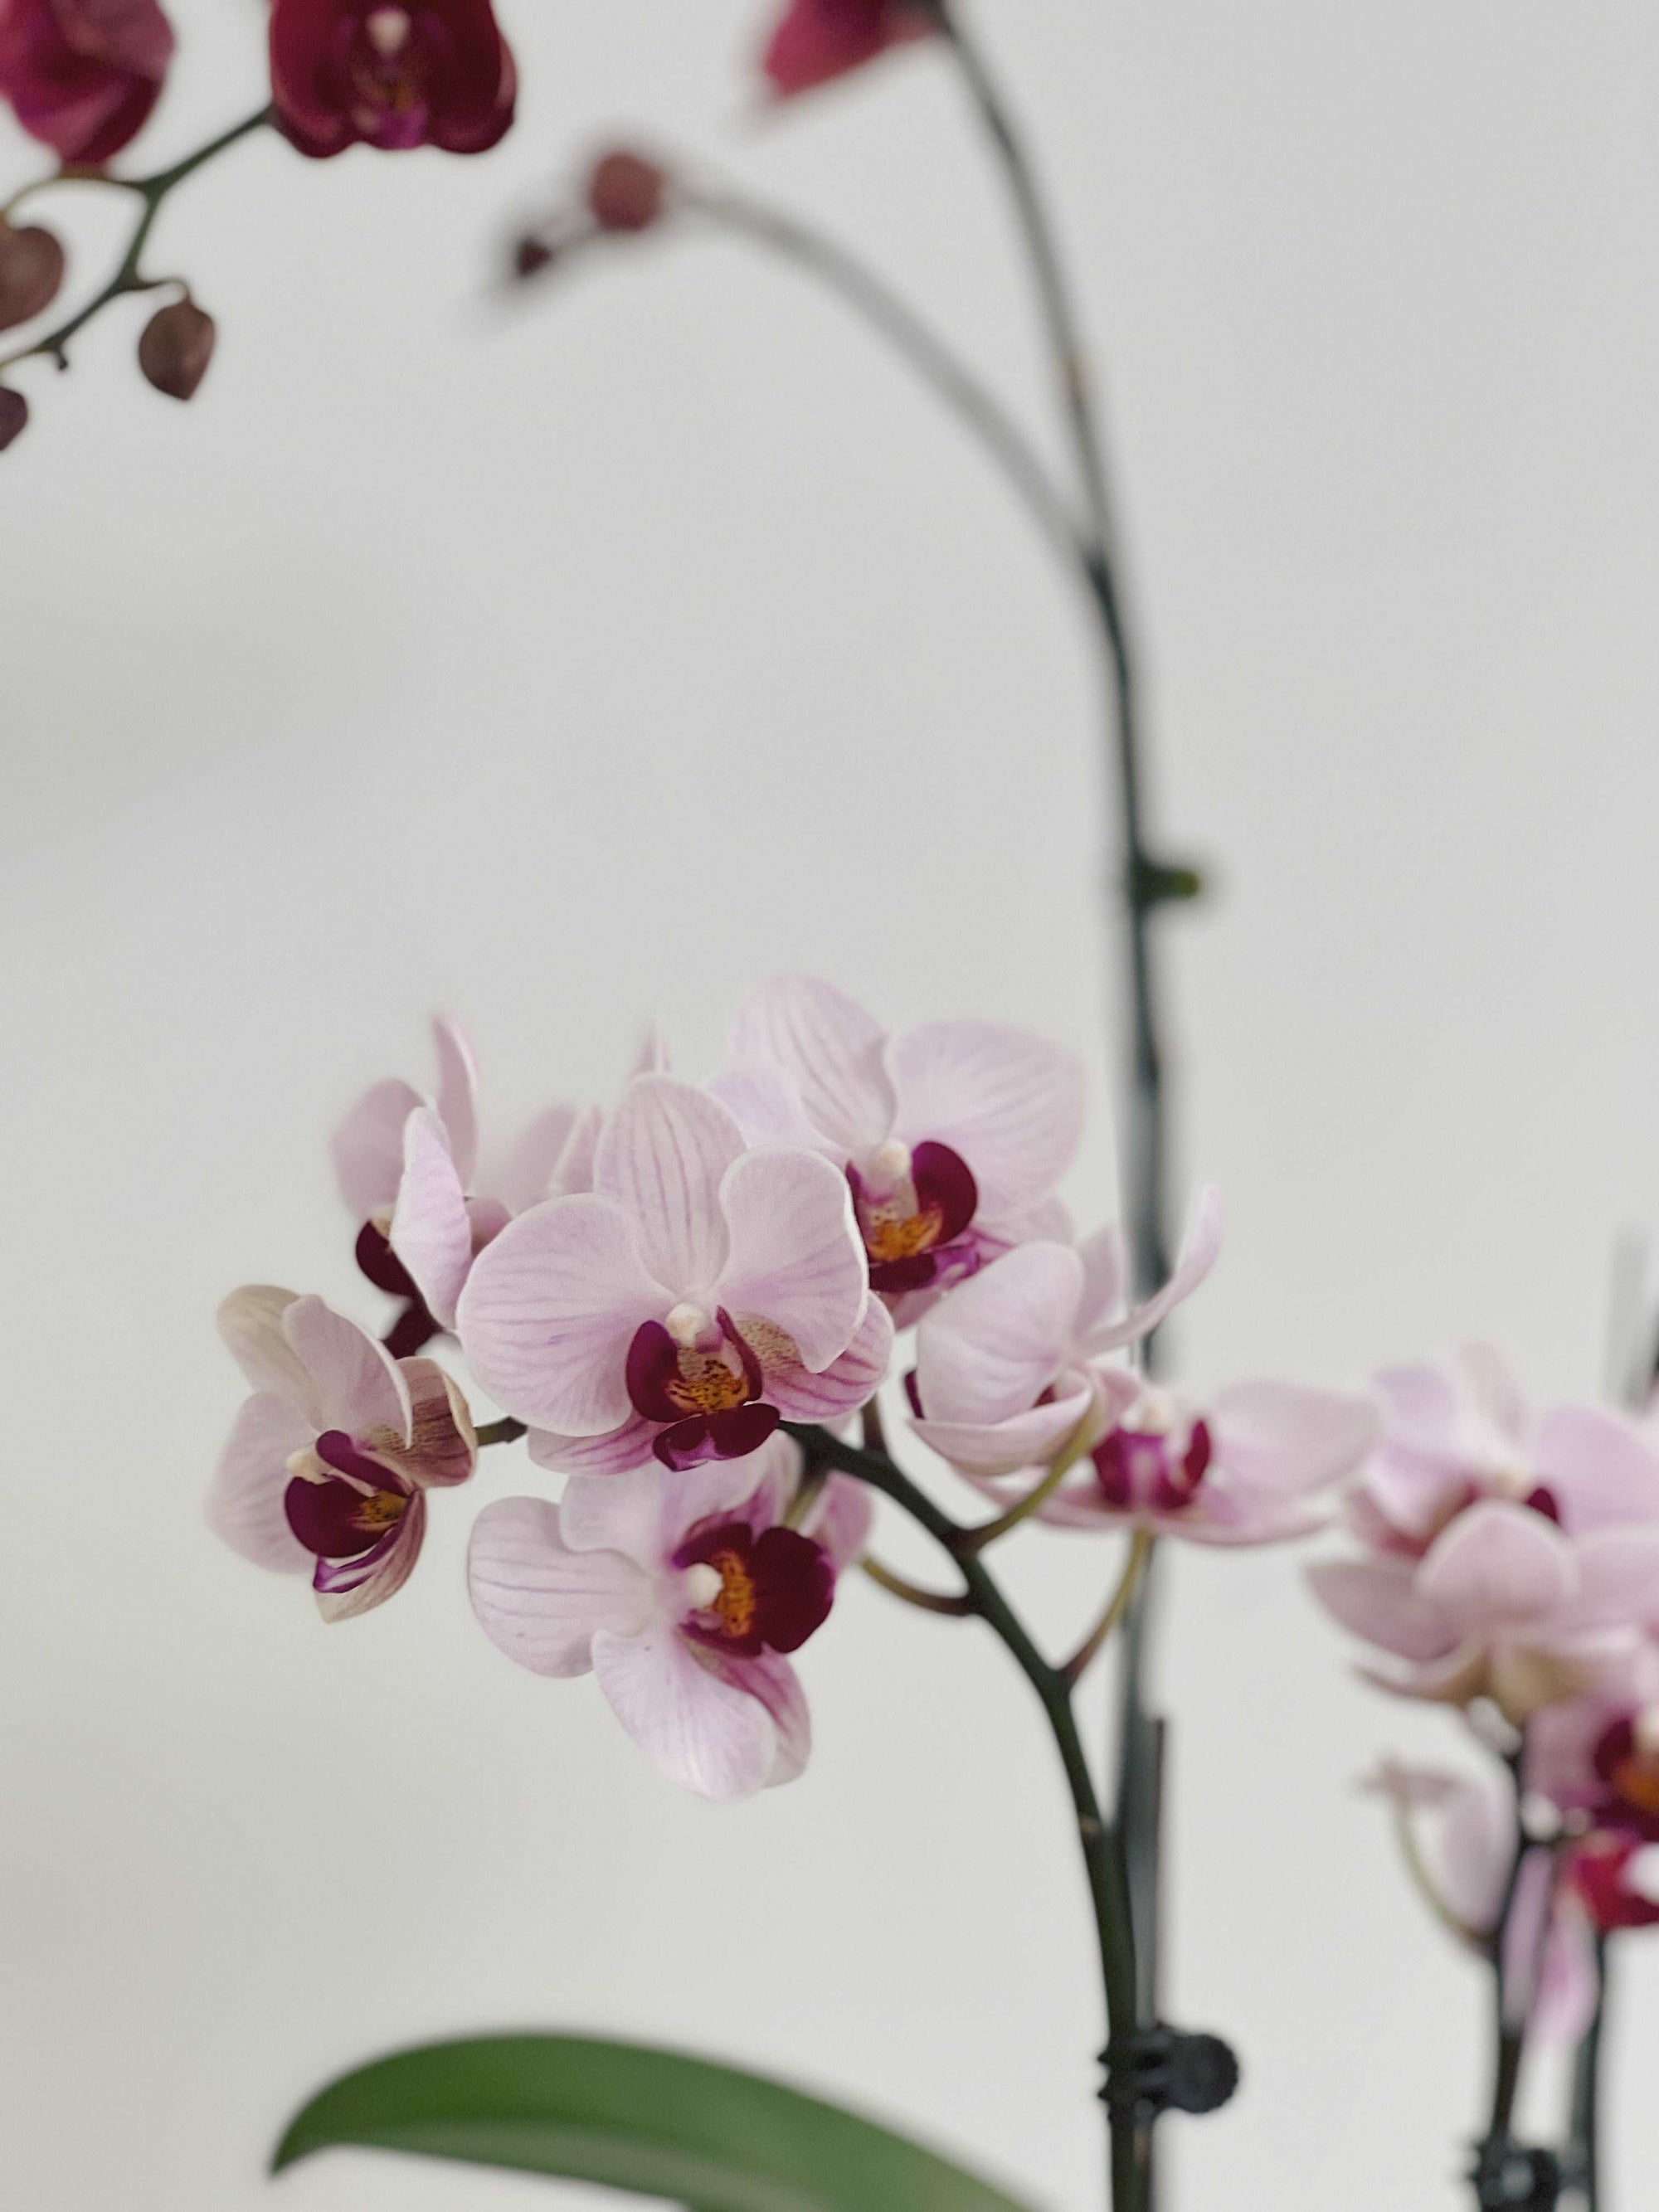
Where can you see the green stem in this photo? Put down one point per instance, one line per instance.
(1102, 1858)
(507, 1431)
(152, 191)
(1583, 2152)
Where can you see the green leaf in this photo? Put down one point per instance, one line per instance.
(652, 2122)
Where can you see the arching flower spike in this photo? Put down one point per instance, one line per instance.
(952, 1135)
(699, 1291)
(380, 73)
(82, 75)
(817, 40)
(685, 1593)
(329, 1463)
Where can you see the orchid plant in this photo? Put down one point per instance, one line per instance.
(730, 1319)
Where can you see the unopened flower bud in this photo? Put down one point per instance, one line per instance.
(176, 347)
(31, 270)
(530, 256)
(626, 192)
(14, 415)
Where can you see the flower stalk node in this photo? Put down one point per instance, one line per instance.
(1162, 883)
(1509, 2178)
(1168, 2069)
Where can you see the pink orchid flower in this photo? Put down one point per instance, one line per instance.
(1015, 1372)
(952, 1135)
(816, 40)
(408, 1168)
(329, 1463)
(1503, 1604)
(1465, 1848)
(1597, 1756)
(1455, 1433)
(700, 1291)
(684, 1593)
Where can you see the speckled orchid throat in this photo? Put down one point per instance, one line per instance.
(911, 1206)
(750, 1594)
(345, 1506)
(697, 1376)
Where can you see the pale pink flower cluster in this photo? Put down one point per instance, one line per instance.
(654, 1290)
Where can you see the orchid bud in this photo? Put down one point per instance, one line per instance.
(531, 255)
(176, 347)
(31, 270)
(626, 192)
(14, 415)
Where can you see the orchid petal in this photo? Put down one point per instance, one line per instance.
(1495, 1396)
(1379, 1599)
(1497, 1562)
(549, 1310)
(618, 1451)
(245, 1505)
(771, 1678)
(457, 1096)
(1009, 1104)
(1200, 1251)
(575, 1171)
(355, 1382)
(251, 1322)
(624, 1513)
(1105, 1257)
(431, 1230)
(845, 1384)
(389, 1573)
(996, 1344)
(443, 1446)
(1420, 1406)
(1284, 1438)
(1599, 1467)
(796, 1256)
(524, 1178)
(540, 1601)
(769, 1110)
(661, 1156)
(1618, 1579)
(1023, 1440)
(832, 1048)
(842, 1520)
(368, 1148)
(692, 1721)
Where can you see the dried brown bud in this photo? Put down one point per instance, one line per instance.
(14, 415)
(626, 192)
(31, 270)
(176, 347)
(530, 256)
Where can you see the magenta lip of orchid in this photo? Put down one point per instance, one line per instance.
(816, 41)
(329, 1463)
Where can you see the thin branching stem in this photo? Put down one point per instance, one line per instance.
(1140, 1554)
(151, 191)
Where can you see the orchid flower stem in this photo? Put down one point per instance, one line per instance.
(960, 1608)
(1102, 1854)
(1583, 2146)
(987, 1533)
(1411, 1852)
(1141, 1553)
(878, 305)
(151, 191)
(1508, 2024)
(1144, 884)
(507, 1431)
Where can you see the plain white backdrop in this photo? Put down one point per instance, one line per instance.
(572, 665)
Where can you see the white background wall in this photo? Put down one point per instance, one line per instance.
(563, 666)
